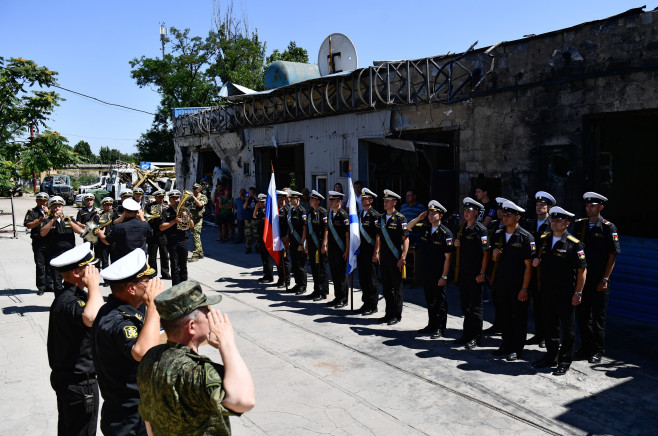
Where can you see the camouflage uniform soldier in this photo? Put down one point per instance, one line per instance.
(197, 208)
(182, 392)
(250, 223)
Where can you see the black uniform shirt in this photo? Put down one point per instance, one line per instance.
(34, 214)
(153, 208)
(434, 247)
(599, 242)
(69, 340)
(113, 335)
(510, 267)
(260, 222)
(128, 235)
(474, 242)
(559, 264)
(531, 226)
(84, 215)
(283, 221)
(397, 228)
(298, 219)
(318, 220)
(60, 238)
(488, 211)
(341, 222)
(370, 223)
(173, 233)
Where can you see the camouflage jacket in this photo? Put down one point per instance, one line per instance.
(197, 212)
(182, 393)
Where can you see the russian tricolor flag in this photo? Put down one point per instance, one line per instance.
(271, 235)
(355, 236)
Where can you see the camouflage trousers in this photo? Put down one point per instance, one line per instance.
(196, 237)
(250, 232)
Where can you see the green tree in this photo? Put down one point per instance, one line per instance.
(23, 109)
(157, 144)
(290, 54)
(84, 152)
(108, 156)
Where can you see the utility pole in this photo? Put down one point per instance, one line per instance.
(163, 36)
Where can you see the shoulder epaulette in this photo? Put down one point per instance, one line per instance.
(606, 222)
(573, 239)
(398, 214)
(543, 235)
(581, 219)
(443, 229)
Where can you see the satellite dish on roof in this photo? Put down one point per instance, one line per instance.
(337, 53)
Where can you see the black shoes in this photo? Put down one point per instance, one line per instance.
(319, 297)
(340, 304)
(393, 321)
(471, 344)
(300, 291)
(41, 292)
(561, 369)
(436, 334)
(511, 357)
(265, 280)
(333, 302)
(544, 362)
(427, 329)
(542, 344)
(368, 312)
(491, 331)
(595, 358)
(165, 276)
(282, 284)
(461, 341)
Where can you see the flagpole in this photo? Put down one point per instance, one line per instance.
(352, 291)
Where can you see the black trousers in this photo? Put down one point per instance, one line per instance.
(121, 421)
(591, 314)
(338, 268)
(298, 265)
(102, 253)
(178, 257)
(536, 297)
(368, 279)
(158, 242)
(392, 289)
(319, 271)
(437, 303)
(558, 312)
(513, 316)
(265, 257)
(284, 271)
(74, 418)
(470, 293)
(44, 280)
(54, 276)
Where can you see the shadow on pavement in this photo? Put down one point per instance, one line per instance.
(22, 310)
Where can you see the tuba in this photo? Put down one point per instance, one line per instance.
(183, 212)
(155, 212)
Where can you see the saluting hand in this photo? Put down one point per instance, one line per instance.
(221, 330)
(422, 216)
(90, 276)
(153, 289)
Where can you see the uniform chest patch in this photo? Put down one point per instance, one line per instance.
(81, 303)
(130, 332)
(139, 316)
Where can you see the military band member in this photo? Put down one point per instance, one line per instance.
(336, 244)
(128, 234)
(183, 392)
(72, 314)
(472, 257)
(138, 196)
(265, 257)
(33, 220)
(283, 270)
(197, 208)
(87, 212)
(367, 269)
(158, 241)
(59, 232)
(537, 226)
(562, 270)
(296, 219)
(513, 249)
(599, 236)
(104, 221)
(126, 327)
(391, 253)
(177, 239)
(437, 248)
(316, 222)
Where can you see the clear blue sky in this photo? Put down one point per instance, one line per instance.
(89, 43)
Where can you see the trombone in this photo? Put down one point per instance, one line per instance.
(183, 212)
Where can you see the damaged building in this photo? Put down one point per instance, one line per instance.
(566, 111)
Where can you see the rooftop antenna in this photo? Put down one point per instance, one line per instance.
(163, 36)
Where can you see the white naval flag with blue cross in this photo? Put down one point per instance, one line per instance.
(355, 236)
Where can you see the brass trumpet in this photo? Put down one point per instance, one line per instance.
(89, 233)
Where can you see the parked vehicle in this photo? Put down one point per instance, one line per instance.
(59, 184)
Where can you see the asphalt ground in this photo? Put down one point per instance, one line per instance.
(325, 371)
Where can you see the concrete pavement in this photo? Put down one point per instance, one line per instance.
(326, 371)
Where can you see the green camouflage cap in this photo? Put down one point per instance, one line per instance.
(182, 299)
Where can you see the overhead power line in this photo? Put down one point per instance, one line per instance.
(101, 101)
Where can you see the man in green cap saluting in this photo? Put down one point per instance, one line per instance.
(181, 391)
